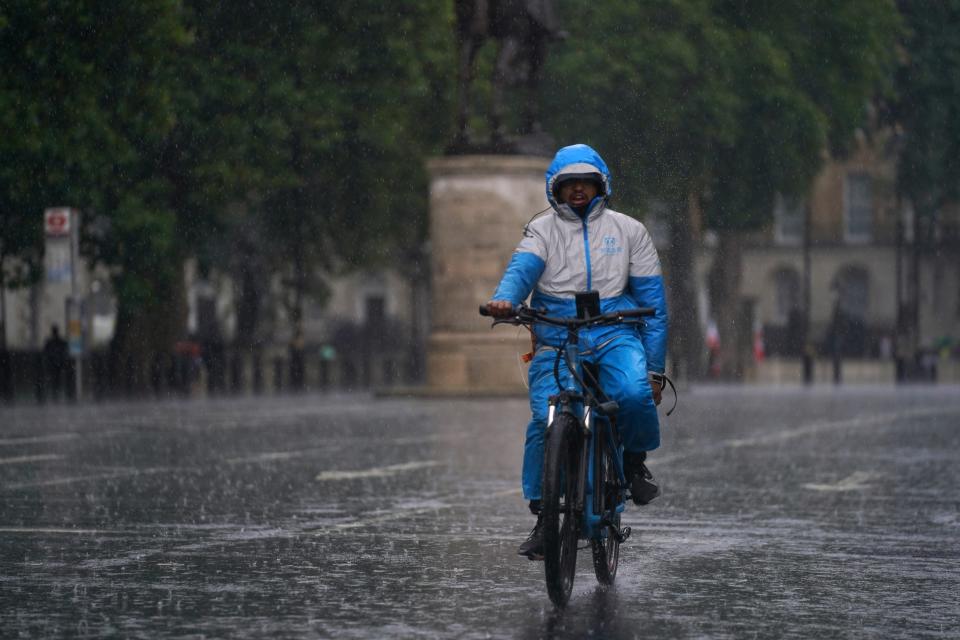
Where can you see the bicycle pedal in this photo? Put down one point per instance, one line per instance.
(609, 408)
(620, 535)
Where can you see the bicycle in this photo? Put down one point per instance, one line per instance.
(584, 487)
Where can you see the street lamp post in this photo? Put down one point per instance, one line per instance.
(898, 338)
(807, 346)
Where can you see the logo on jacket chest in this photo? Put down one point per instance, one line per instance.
(609, 246)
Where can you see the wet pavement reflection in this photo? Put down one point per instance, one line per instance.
(786, 513)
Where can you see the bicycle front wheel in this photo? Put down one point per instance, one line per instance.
(561, 522)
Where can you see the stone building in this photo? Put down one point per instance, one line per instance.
(861, 272)
(369, 331)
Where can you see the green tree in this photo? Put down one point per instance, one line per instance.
(927, 112)
(84, 97)
(278, 138)
(333, 110)
(714, 106)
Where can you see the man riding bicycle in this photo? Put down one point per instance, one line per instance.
(582, 245)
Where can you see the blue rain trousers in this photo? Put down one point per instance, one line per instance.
(623, 376)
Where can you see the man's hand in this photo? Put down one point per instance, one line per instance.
(500, 308)
(656, 385)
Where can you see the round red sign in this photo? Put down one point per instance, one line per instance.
(57, 221)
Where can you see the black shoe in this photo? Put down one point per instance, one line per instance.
(533, 546)
(639, 478)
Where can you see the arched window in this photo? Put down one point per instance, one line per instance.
(786, 286)
(852, 284)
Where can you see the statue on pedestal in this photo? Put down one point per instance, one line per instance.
(522, 29)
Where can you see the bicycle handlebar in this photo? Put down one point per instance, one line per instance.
(526, 315)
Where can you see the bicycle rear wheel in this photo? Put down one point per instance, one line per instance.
(606, 551)
(561, 522)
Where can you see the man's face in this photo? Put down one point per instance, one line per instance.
(578, 192)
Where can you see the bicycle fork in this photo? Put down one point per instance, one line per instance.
(596, 436)
(606, 503)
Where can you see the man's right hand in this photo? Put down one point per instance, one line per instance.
(500, 308)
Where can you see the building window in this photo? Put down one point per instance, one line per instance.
(852, 285)
(848, 333)
(375, 311)
(786, 282)
(788, 216)
(858, 208)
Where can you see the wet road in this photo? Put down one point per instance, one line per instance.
(790, 513)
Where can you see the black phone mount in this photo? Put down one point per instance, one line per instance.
(588, 304)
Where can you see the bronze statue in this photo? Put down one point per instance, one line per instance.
(522, 29)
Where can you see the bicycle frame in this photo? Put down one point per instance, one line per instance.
(572, 399)
(581, 498)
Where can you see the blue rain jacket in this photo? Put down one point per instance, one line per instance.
(562, 253)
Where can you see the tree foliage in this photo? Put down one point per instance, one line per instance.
(85, 97)
(927, 107)
(737, 100)
(182, 128)
(334, 108)
(926, 115)
(723, 103)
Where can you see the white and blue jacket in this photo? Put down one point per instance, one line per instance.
(562, 253)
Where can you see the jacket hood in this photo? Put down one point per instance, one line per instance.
(578, 160)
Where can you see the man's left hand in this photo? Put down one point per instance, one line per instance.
(657, 392)
(656, 385)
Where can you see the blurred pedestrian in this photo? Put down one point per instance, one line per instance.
(713, 349)
(298, 368)
(55, 360)
(886, 347)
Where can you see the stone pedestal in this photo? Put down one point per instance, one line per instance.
(478, 207)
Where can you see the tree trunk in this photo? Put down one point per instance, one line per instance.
(686, 337)
(296, 349)
(915, 286)
(3, 304)
(248, 302)
(144, 333)
(6, 379)
(725, 303)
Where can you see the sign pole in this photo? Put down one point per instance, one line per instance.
(62, 230)
(76, 322)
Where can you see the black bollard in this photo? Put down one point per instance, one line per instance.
(257, 373)
(6, 377)
(40, 378)
(278, 374)
(236, 372)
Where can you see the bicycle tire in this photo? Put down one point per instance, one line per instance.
(606, 551)
(561, 522)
